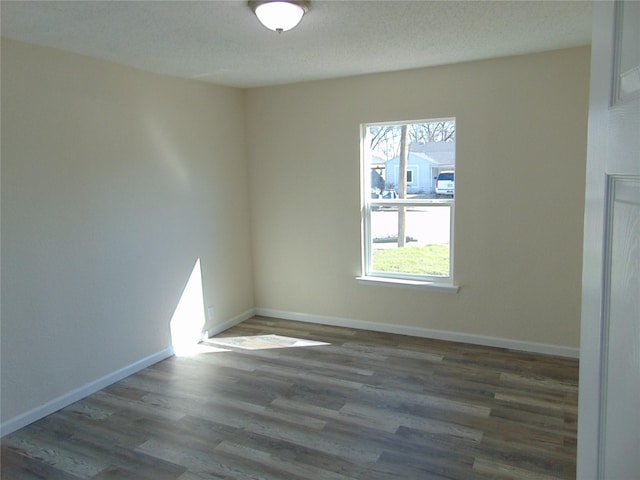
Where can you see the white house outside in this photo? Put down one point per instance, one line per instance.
(425, 161)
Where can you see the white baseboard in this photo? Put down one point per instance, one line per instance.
(216, 329)
(67, 399)
(488, 341)
(56, 404)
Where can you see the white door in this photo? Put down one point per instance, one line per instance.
(609, 401)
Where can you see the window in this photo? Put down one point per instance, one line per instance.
(408, 186)
(409, 176)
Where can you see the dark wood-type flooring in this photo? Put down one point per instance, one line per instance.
(368, 406)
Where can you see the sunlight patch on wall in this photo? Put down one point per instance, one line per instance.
(188, 318)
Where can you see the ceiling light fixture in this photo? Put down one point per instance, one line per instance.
(279, 15)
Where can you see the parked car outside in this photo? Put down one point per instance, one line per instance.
(446, 183)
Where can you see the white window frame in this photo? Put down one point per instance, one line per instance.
(371, 276)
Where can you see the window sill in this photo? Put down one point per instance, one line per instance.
(416, 284)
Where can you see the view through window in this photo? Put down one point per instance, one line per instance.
(408, 180)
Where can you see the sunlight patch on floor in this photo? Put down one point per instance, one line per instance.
(262, 342)
(203, 348)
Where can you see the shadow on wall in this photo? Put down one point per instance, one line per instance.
(188, 318)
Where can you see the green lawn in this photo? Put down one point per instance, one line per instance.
(428, 260)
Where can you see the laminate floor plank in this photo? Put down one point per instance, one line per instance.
(362, 406)
(18, 464)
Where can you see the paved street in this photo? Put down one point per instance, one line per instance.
(425, 224)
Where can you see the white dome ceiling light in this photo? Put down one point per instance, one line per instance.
(279, 15)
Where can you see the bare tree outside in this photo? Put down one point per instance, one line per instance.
(386, 139)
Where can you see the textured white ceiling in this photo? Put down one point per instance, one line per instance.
(222, 41)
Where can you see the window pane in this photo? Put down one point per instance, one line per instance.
(427, 238)
(413, 161)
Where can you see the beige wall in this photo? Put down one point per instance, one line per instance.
(521, 147)
(114, 182)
